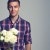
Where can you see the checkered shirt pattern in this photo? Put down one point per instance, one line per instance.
(24, 36)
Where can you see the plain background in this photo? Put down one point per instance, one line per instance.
(37, 12)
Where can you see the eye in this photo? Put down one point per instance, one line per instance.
(15, 6)
(10, 6)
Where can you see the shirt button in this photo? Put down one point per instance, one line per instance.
(12, 25)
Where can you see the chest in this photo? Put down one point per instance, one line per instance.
(20, 27)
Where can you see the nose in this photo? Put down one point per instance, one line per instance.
(12, 8)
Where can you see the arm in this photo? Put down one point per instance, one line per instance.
(27, 38)
(28, 47)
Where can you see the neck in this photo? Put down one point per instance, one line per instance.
(14, 18)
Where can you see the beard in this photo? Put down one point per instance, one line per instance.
(13, 15)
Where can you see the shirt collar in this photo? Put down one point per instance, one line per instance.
(18, 19)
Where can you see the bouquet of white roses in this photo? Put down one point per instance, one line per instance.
(9, 36)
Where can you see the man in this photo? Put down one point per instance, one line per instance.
(14, 20)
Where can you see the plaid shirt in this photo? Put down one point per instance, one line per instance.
(24, 36)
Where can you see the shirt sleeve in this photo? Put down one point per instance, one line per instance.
(27, 37)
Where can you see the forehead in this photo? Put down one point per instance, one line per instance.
(14, 4)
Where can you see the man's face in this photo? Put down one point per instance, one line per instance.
(14, 8)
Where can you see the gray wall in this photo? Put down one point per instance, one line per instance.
(37, 12)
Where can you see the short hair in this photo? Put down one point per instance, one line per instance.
(12, 1)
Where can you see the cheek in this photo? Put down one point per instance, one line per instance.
(17, 9)
(10, 10)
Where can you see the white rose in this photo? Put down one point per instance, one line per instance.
(14, 31)
(2, 38)
(9, 33)
(13, 39)
(8, 36)
(4, 32)
(6, 39)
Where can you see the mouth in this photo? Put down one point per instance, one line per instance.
(12, 12)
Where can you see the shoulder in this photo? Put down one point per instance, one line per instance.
(24, 21)
(4, 20)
